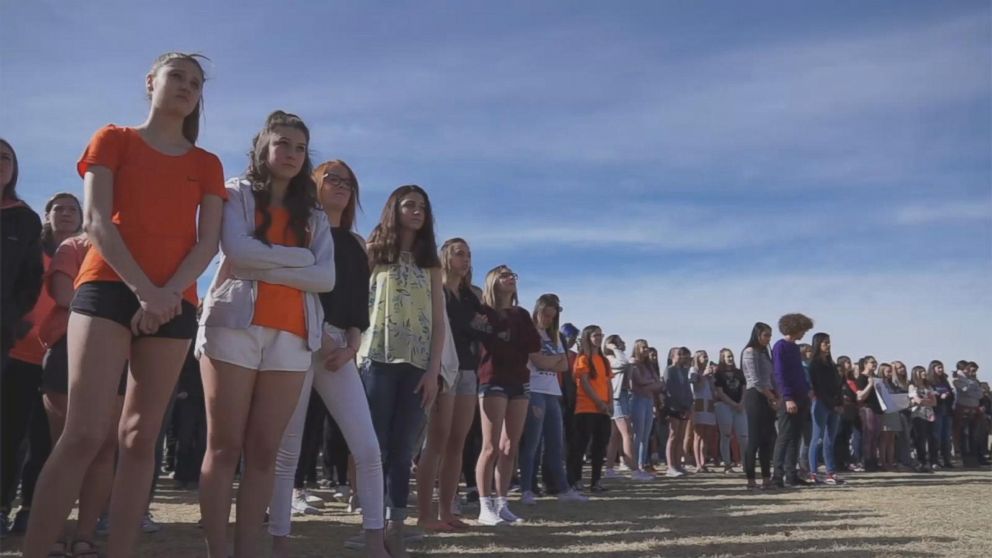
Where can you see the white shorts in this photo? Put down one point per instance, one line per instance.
(256, 348)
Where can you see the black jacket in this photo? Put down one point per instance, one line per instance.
(826, 383)
(21, 271)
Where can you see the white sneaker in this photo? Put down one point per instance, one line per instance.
(528, 498)
(504, 512)
(572, 496)
(312, 499)
(300, 505)
(674, 473)
(623, 468)
(642, 476)
(487, 512)
(611, 473)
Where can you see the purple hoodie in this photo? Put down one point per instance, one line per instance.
(789, 376)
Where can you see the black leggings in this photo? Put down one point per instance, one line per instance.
(594, 427)
(922, 432)
(760, 433)
(19, 391)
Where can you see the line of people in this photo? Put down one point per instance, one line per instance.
(392, 336)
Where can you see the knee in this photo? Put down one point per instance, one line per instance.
(224, 451)
(135, 438)
(366, 454)
(82, 441)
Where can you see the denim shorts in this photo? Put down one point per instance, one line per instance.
(507, 390)
(466, 383)
(621, 405)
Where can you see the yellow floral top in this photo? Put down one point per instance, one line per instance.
(400, 314)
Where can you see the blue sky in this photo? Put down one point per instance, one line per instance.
(675, 171)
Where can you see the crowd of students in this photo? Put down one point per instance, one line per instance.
(385, 346)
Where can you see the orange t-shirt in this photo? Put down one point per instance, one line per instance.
(28, 348)
(276, 303)
(68, 259)
(156, 198)
(600, 384)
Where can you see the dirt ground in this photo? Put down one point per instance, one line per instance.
(707, 515)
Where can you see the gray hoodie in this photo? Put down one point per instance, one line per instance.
(230, 301)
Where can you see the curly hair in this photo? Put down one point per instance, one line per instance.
(384, 241)
(794, 324)
(301, 195)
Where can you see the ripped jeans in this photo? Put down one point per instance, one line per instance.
(543, 421)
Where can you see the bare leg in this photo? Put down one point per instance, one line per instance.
(155, 367)
(227, 391)
(273, 402)
(493, 411)
(98, 483)
(439, 426)
(623, 427)
(97, 351)
(509, 443)
(451, 463)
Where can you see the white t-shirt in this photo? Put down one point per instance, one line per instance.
(546, 381)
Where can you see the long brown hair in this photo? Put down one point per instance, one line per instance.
(348, 215)
(543, 301)
(446, 249)
(301, 195)
(588, 348)
(384, 242)
(191, 124)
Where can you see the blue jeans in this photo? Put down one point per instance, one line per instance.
(825, 422)
(641, 415)
(543, 420)
(397, 418)
(940, 438)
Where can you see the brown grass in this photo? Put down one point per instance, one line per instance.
(709, 515)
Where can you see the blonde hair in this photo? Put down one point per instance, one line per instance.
(446, 249)
(489, 290)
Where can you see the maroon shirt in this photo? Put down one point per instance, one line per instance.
(507, 348)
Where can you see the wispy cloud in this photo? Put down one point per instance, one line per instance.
(946, 212)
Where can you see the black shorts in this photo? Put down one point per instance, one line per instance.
(55, 370)
(113, 300)
(508, 390)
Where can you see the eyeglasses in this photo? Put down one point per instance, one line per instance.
(338, 182)
(509, 275)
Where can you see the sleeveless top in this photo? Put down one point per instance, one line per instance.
(400, 314)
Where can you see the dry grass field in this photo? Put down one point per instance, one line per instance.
(881, 514)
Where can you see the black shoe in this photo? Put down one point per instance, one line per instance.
(948, 465)
(796, 482)
(597, 488)
(472, 496)
(777, 482)
(20, 524)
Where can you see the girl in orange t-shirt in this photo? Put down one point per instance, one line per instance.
(593, 401)
(153, 203)
(262, 320)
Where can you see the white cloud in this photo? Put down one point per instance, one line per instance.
(945, 212)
